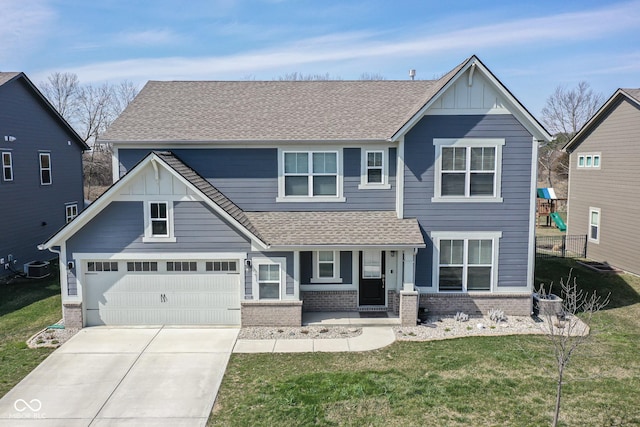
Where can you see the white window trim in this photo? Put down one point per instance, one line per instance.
(148, 236)
(585, 157)
(437, 236)
(40, 156)
(597, 210)
(439, 143)
(255, 283)
(310, 198)
(212, 271)
(5, 166)
(315, 278)
(70, 216)
(364, 185)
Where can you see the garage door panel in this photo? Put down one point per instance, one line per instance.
(136, 298)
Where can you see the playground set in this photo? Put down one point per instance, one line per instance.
(547, 207)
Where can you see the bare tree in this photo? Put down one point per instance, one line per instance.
(90, 109)
(565, 330)
(565, 112)
(372, 76)
(61, 89)
(297, 76)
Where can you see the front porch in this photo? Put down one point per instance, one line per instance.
(350, 318)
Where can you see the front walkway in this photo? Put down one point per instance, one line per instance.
(372, 338)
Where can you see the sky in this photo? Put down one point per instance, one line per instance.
(531, 46)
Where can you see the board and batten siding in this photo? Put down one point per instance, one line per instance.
(119, 228)
(614, 188)
(32, 212)
(249, 177)
(511, 217)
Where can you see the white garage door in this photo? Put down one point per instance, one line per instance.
(162, 292)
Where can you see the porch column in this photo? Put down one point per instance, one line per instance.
(409, 298)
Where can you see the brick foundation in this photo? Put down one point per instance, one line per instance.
(393, 302)
(271, 313)
(409, 308)
(72, 314)
(477, 303)
(329, 300)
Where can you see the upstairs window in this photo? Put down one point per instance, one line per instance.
(375, 174)
(591, 160)
(45, 168)
(159, 219)
(7, 166)
(468, 170)
(71, 211)
(158, 227)
(310, 175)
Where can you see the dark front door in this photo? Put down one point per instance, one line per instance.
(372, 288)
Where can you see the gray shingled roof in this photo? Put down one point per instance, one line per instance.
(634, 93)
(272, 110)
(209, 190)
(336, 228)
(5, 77)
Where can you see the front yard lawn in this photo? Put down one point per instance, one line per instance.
(25, 308)
(467, 381)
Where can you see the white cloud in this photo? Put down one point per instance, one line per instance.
(22, 26)
(148, 38)
(553, 30)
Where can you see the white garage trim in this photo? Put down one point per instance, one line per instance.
(160, 297)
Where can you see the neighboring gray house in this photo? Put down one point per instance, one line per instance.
(604, 182)
(251, 202)
(41, 180)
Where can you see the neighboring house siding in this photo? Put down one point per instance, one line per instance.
(120, 228)
(614, 188)
(249, 177)
(32, 212)
(511, 217)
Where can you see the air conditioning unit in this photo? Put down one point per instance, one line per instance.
(37, 269)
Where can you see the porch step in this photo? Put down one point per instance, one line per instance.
(378, 308)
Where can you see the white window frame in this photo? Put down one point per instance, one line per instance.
(468, 143)
(7, 166)
(315, 278)
(149, 237)
(590, 224)
(70, 211)
(589, 161)
(438, 236)
(255, 263)
(43, 169)
(364, 170)
(310, 197)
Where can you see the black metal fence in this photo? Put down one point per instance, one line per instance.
(561, 246)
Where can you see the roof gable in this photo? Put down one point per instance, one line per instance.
(471, 88)
(7, 77)
(632, 95)
(133, 183)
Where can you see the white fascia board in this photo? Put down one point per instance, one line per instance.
(94, 208)
(390, 247)
(527, 120)
(112, 193)
(168, 255)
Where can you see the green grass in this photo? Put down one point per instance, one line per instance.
(489, 381)
(25, 308)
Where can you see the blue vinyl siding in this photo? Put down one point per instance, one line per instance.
(31, 212)
(120, 228)
(512, 216)
(249, 177)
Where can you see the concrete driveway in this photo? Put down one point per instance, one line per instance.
(124, 376)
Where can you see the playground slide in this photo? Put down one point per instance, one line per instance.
(559, 222)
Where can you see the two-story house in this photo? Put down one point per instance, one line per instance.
(604, 183)
(41, 179)
(251, 202)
